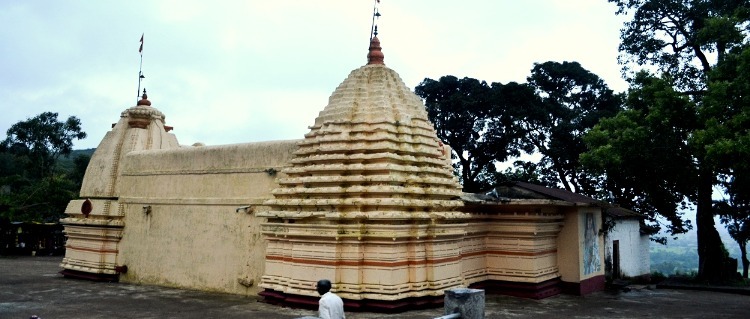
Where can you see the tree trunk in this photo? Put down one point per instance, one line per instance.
(711, 256)
(745, 261)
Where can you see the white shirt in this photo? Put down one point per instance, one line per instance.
(331, 306)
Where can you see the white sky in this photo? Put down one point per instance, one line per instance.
(241, 71)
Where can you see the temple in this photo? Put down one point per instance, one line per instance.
(367, 199)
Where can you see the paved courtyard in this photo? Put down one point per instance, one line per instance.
(32, 286)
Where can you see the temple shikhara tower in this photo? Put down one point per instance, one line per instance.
(367, 199)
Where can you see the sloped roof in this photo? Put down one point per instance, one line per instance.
(557, 193)
(528, 190)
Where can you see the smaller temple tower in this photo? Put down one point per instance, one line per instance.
(95, 221)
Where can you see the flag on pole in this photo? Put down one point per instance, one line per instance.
(140, 50)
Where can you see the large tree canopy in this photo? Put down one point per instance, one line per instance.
(31, 189)
(727, 143)
(478, 122)
(683, 38)
(41, 140)
(644, 151)
(488, 124)
(573, 101)
(657, 152)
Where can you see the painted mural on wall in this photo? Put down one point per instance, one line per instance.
(591, 261)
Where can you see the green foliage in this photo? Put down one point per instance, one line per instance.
(486, 124)
(67, 163)
(644, 152)
(573, 101)
(39, 141)
(478, 122)
(734, 212)
(726, 136)
(679, 37)
(75, 164)
(523, 172)
(32, 187)
(41, 200)
(660, 150)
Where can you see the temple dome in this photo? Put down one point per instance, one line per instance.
(372, 153)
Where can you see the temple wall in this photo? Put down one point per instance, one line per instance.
(581, 250)
(568, 241)
(515, 243)
(366, 261)
(184, 223)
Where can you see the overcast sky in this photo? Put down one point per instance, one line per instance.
(241, 71)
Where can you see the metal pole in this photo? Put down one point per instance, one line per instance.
(140, 77)
(374, 10)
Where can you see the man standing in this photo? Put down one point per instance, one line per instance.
(330, 306)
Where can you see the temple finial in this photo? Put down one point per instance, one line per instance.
(144, 99)
(375, 56)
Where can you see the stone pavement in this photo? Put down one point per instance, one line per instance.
(31, 286)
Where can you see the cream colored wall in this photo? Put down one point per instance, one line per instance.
(570, 244)
(512, 242)
(193, 237)
(569, 257)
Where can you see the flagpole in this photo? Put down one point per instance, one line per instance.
(140, 72)
(140, 77)
(374, 13)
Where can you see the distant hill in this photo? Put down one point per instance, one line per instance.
(681, 255)
(65, 163)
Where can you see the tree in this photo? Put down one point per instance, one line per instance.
(524, 171)
(735, 214)
(668, 116)
(41, 140)
(33, 190)
(477, 121)
(80, 163)
(644, 153)
(42, 200)
(573, 101)
(727, 142)
(680, 37)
